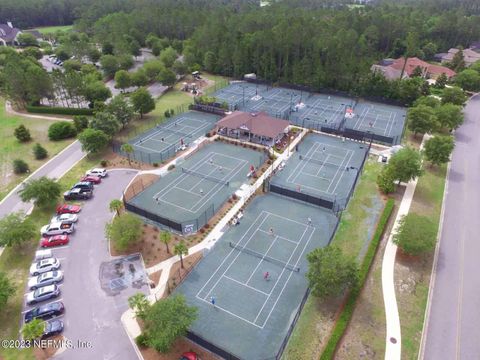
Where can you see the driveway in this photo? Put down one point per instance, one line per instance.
(452, 330)
(92, 312)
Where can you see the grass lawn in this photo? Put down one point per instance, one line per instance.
(52, 29)
(11, 148)
(354, 232)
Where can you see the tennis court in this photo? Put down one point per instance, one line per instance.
(240, 93)
(324, 167)
(178, 131)
(254, 313)
(192, 193)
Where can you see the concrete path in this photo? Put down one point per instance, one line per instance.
(393, 349)
(451, 325)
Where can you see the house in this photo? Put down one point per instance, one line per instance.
(392, 69)
(254, 127)
(8, 34)
(470, 56)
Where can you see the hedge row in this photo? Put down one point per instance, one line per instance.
(58, 110)
(347, 311)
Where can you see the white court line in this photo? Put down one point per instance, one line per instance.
(361, 117)
(322, 166)
(280, 237)
(231, 313)
(342, 173)
(246, 285)
(295, 171)
(262, 260)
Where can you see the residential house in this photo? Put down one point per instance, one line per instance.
(393, 69)
(470, 56)
(8, 34)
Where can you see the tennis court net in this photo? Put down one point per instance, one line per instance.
(211, 178)
(264, 257)
(319, 162)
(177, 132)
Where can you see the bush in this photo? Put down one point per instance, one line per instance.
(39, 152)
(22, 134)
(171, 167)
(80, 122)
(155, 164)
(58, 110)
(20, 166)
(167, 113)
(104, 163)
(61, 130)
(142, 340)
(416, 234)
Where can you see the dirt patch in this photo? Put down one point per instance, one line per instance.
(47, 352)
(115, 161)
(155, 277)
(139, 184)
(179, 347)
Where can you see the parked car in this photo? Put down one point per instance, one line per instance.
(92, 178)
(65, 218)
(44, 312)
(191, 355)
(84, 185)
(56, 240)
(42, 294)
(77, 194)
(68, 209)
(57, 228)
(52, 328)
(48, 278)
(97, 172)
(44, 265)
(42, 254)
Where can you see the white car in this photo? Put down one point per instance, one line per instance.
(65, 218)
(47, 278)
(42, 294)
(57, 228)
(97, 172)
(42, 266)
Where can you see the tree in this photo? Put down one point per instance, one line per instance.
(139, 78)
(142, 101)
(386, 181)
(80, 122)
(93, 54)
(441, 81)
(179, 67)
(429, 49)
(115, 206)
(128, 149)
(43, 191)
(122, 79)
(139, 303)
(61, 130)
(105, 122)
(125, 62)
(449, 116)
(168, 56)
(209, 61)
(430, 101)
(93, 141)
(438, 149)
(453, 95)
(96, 91)
(124, 231)
(468, 80)
(417, 72)
(72, 65)
(180, 249)
(107, 48)
(475, 66)
(22, 133)
(39, 152)
(458, 61)
(415, 234)
(20, 166)
(109, 65)
(167, 77)
(7, 289)
(330, 272)
(152, 69)
(410, 90)
(405, 165)
(32, 51)
(166, 320)
(121, 110)
(421, 119)
(33, 329)
(26, 39)
(15, 229)
(166, 237)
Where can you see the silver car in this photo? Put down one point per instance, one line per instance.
(44, 265)
(65, 218)
(42, 294)
(97, 172)
(48, 278)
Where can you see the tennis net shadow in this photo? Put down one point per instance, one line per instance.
(211, 178)
(320, 162)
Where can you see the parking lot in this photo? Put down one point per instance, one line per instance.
(92, 314)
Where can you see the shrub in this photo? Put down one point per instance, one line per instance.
(58, 110)
(171, 167)
(142, 340)
(80, 122)
(167, 113)
(39, 152)
(155, 164)
(20, 166)
(104, 163)
(61, 130)
(22, 133)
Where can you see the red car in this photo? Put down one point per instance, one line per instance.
(68, 209)
(92, 178)
(189, 356)
(56, 240)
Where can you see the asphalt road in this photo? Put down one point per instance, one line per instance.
(453, 330)
(92, 316)
(54, 168)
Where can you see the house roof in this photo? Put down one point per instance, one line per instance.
(470, 56)
(413, 63)
(257, 123)
(7, 33)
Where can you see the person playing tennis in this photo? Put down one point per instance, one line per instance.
(266, 276)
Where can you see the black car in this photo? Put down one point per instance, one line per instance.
(77, 194)
(84, 185)
(45, 311)
(53, 327)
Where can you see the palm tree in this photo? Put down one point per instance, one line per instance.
(128, 149)
(166, 237)
(115, 206)
(139, 303)
(33, 330)
(180, 249)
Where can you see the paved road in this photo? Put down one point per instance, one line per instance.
(91, 314)
(54, 168)
(453, 330)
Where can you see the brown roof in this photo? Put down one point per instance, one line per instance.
(413, 63)
(257, 123)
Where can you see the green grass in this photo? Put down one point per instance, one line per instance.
(52, 29)
(11, 148)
